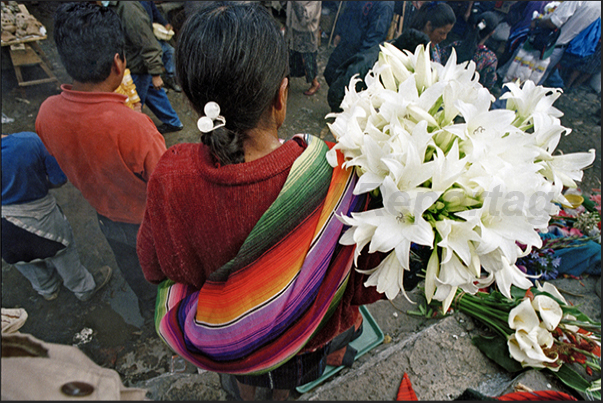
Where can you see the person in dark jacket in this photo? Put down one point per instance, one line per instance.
(473, 47)
(168, 50)
(361, 25)
(362, 62)
(143, 54)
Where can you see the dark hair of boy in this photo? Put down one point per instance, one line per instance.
(410, 39)
(88, 37)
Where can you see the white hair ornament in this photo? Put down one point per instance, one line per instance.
(212, 112)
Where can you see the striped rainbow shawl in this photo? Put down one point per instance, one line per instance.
(261, 308)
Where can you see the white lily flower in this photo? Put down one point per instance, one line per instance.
(388, 277)
(402, 221)
(445, 293)
(448, 168)
(396, 53)
(424, 135)
(456, 238)
(568, 168)
(531, 99)
(399, 61)
(505, 273)
(551, 289)
(431, 272)
(384, 70)
(454, 273)
(424, 75)
(362, 228)
(547, 132)
(523, 317)
(525, 349)
(501, 229)
(410, 173)
(375, 169)
(549, 310)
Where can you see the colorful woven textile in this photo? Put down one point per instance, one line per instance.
(260, 309)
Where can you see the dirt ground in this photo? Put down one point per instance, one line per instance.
(118, 328)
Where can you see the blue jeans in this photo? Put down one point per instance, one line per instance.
(122, 240)
(46, 271)
(157, 100)
(168, 58)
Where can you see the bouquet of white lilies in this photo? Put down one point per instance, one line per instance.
(473, 184)
(539, 329)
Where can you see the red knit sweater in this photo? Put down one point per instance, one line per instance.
(198, 214)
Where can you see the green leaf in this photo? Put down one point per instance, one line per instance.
(496, 349)
(573, 379)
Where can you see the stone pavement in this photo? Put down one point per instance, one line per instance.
(437, 355)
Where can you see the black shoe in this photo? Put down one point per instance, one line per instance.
(167, 128)
(171, 82)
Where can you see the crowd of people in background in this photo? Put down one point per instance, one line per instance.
(156, 207)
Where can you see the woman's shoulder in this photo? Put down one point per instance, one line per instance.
(178, 158)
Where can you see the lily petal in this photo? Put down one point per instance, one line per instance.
(549, 310)
(523, 317)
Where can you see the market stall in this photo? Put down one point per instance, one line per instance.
(21, 32)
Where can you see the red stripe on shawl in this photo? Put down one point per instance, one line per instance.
(246, 289)
(301, 329)
(536, 396)
(311, 318)
(271, 273)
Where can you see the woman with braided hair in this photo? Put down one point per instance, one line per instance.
(241, 231)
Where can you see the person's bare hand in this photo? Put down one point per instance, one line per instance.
(157, 82)
(168, 26)
(137, 107)
(336, 40)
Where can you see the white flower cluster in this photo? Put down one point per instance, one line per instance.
(473, 184)
(533, 335)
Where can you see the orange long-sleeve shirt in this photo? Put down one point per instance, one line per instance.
(105, 149)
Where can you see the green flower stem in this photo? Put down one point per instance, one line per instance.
(594, 365)
(489, 316)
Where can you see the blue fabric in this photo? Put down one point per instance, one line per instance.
(168, 50)
(554, 80)
(585, 43)
(577, 260)
(156, 100)
(153, 12)
(28, 169)
(168, 58)
(361, 25)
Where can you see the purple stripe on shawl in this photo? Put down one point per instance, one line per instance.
(270, 321)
